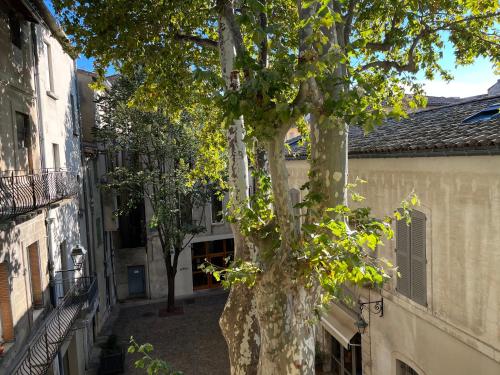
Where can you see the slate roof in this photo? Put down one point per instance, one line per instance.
(429, 132)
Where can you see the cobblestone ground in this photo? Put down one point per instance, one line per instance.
(191, 342)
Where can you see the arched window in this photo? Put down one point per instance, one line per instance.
(404, 369)
(411, 257)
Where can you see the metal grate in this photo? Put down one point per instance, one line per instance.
(20, 194)
(43, 346)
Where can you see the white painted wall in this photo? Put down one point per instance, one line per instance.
(459, 331)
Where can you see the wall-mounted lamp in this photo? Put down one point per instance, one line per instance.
(361, 325)
(78, 256)
(375, 307)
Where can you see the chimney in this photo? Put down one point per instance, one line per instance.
(495, 89)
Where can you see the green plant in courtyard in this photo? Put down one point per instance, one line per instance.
(152, 366)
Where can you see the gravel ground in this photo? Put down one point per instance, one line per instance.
(191, 342)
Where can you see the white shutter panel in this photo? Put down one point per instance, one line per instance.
(418, 258)
(403, 257)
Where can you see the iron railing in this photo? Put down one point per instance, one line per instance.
(40, 350)
(23, 193)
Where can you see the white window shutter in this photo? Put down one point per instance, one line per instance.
(418, 258)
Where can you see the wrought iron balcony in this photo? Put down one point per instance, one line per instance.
(42, 347)
(23, 193)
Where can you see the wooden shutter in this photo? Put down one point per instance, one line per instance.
(418, 258)
(403, 257)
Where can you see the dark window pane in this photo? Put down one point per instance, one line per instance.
(15, 31)
(218, 261)
(216, 246)
(199, 249)
(230, 245)
(23, 131)
(200, 279)
(336, 349)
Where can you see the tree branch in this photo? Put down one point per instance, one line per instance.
(348, 20)
(205, 42)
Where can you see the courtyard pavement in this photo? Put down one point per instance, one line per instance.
(191, 342)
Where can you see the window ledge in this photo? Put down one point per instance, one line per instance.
(52, 94)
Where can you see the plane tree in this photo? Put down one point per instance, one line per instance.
(322, 65)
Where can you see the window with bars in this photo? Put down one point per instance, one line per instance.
(411, 257)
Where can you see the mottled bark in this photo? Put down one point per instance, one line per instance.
(328, 174)
(285, 312)
(238, 321)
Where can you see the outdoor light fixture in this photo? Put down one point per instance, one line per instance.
(361, 325)
(375, 307)
(78, 256)
(378, 307)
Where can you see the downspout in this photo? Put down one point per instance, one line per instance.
(41, 141)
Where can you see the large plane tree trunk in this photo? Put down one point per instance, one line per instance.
(238, 321)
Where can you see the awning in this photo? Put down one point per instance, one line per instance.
(339, 324)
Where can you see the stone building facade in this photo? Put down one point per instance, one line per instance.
(47, 288)
(442, 315)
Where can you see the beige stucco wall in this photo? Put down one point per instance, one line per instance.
(16, 95)
(14, 242)
(461, 199)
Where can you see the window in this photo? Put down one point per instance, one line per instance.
(411, 258)
(346, 361)
(49, 75)
(489, 113)
(16, 35)
(72, 109)
(217, 214)
(23, 130)
(404, 369)
(56, 157)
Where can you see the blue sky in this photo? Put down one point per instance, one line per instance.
(468, 80)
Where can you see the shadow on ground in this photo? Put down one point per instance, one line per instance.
(191, 342)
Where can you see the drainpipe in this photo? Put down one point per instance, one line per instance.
(41, 140)
(41, 137)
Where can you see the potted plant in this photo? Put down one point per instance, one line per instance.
(112, 357)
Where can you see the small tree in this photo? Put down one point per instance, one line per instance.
(157, 158)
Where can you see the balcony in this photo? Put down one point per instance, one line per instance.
(42, 347)
(23, 193)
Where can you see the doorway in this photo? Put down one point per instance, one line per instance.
(136, 281)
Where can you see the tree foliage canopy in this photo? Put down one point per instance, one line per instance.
(259, 67)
